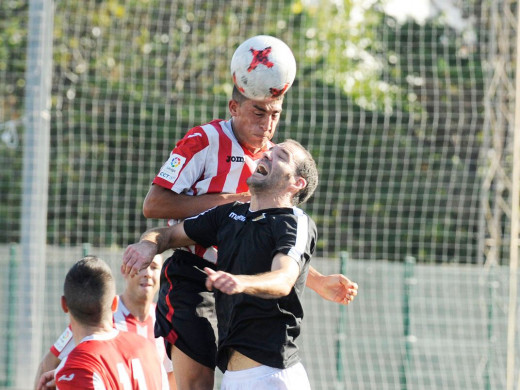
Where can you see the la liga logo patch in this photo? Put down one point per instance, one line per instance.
(175, 162)
(171, 168)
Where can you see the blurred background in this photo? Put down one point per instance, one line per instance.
(408, 108)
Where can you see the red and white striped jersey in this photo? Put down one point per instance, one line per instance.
(115, 360)
(125, 321)
(208, 160)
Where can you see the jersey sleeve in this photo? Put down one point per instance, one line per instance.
(204, 228)
(77, 378)
(296, 237)
(186, 162)
(63, 345)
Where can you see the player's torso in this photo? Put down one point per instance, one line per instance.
(247, 240)
(208, 160)
(127, 322)
(120, 361)
(227, 166)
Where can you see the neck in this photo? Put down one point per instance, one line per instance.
(80, 331)
(268, 202)
(139, 310)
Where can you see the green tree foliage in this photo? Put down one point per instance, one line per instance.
(382, 105)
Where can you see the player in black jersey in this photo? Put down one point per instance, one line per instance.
(265, 248)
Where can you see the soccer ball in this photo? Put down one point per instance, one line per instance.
(263, 68)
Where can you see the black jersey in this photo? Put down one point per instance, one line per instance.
(262, 329)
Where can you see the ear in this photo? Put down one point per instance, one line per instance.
(64, 306)
(300, 183)
(233, 106)
(115, 302)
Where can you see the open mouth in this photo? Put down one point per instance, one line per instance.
(261, 169)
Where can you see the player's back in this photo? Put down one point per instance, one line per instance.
(116, 360)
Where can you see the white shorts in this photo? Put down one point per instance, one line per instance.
(267, 378)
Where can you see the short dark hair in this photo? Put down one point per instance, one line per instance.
(89, 290)
(239, 98)
(305, 168)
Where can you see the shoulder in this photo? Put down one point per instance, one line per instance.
(303, 217)
(207, 131)
(293, 221)
(202, 137)
(290, 213)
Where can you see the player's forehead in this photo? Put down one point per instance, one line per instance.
(269, 106)
(157, 260)
(290, 149)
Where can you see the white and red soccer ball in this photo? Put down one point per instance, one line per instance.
(263, 67)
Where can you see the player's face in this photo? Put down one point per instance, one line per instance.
(146, 283)
(276, 170)
(254, 122)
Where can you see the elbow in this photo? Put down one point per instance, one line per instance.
(150, 203)
(150, 206)
(147, 210)
(285, 289)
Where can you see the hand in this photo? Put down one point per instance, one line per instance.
(137, 257)
(46, 381)
(337, 288)
(220, 280)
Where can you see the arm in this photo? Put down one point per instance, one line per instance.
(163, 203)
(140, 255)
(46, 381)
(336, 288)
(274, 284)
(48, 363)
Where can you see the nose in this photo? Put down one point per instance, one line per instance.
(146, 272)
(267, 123)
(267, 154)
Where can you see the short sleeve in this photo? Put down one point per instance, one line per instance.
(63, 345)
(296, 237)
(186, 162)
(77, 378)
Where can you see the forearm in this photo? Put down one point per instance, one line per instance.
(48, 363)
(139, 255)
(275, 284)
(314, 278)
(167, 237)
(162, 203)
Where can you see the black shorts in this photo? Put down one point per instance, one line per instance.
(185, 315)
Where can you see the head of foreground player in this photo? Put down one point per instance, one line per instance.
(254, 122)
(89, 296)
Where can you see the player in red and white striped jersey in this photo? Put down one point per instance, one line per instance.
(104, 357)
(135, 313)
(209, 160)
(209, 167)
